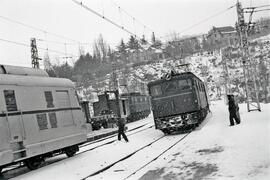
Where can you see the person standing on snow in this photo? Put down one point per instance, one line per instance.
(121, 129)
(233, 110)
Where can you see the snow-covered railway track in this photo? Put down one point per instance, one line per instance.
(111, 141)
(144, 150)
(16, 168)
(114, 135)
(122, 159)
(155, 158)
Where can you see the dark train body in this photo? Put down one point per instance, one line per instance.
(111, 106)
(179, 101)
(138, 104)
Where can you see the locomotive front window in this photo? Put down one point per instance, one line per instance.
(184, 84)
(170, 87)
(156, 90)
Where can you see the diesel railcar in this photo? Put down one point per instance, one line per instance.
(179, 101)
(39, 117)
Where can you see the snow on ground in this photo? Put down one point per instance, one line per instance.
(219, 151)
(214, 151)
(143, 122)
(82, 165)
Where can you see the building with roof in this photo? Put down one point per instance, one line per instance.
(222, 36)
(144, 53)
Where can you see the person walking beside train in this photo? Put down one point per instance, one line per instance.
(121, 129)
(233, 110)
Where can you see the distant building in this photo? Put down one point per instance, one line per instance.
(145, 53)
(222, 36)
(262, 24)
(181, 47)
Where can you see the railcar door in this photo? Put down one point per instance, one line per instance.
(13, 117)
(65, 113)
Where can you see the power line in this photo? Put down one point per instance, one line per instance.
(253, 7)
(37, 29)
(256, 10)
(139, 22)
(103, 17)
(204, 20)
(40, 48)
(63, 43)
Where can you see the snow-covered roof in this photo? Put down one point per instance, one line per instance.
(229, 32)
(224, 29)
(158, 51)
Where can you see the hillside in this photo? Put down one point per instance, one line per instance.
(209, 66)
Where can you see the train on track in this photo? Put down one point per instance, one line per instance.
(179, 101)
(111, 106)
(40, 116)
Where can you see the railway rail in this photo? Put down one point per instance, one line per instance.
(20, 165)
(134, 153)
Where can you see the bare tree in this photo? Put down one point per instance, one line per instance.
(100, 48)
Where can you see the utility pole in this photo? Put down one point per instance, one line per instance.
(114, 81)
(224, 57)
(34, 54)
(123, 85)
(249, 68)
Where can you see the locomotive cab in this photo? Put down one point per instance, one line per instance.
(178, 101)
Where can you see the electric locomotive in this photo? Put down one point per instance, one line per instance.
(179, 101)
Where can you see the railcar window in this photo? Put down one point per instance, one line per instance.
(184, 84)
(42, 121)
(10, 100)
(49, 99)
(53, 120)
(156, 90)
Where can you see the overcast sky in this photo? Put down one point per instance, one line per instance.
(64, 17)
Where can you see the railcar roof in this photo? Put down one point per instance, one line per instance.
(23, 71)
(176, 76)
(35, 81)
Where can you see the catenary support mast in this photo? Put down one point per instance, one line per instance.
(34, 54)
(249, 67)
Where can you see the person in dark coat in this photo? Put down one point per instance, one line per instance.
(234, 110)
(121, 129)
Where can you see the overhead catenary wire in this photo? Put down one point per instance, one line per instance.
(37, 29)
(132, 17)
(253, 7)
(103, 17)
(63, 43)
(256, 10)
(203, 20)
(40, 48)
(206, 19)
